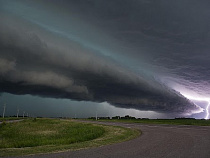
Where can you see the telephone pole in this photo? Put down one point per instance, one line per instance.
(4, 110)
(17, 112)
(23, 113)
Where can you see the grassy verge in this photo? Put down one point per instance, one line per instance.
(201, 122)
(33, 136)
(11, 118)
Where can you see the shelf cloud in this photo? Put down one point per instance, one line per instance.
(131, 54)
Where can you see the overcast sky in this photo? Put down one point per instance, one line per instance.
(146, 58)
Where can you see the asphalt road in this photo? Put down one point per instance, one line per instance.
(156, 141)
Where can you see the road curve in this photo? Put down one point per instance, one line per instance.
(156, 141)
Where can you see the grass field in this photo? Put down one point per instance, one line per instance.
(33, 136)
(11, 118)
(201, 122)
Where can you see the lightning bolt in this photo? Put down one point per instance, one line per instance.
(207, 111)
(200, 99)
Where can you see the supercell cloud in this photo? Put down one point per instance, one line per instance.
(132, 54)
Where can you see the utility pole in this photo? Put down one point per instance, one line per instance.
(23, 113)
(96, 116)
(4, 110)
(17, 112)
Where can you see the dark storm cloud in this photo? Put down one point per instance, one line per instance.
(174, 35)
(168, 35)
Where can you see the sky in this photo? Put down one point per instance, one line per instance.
(145, 58)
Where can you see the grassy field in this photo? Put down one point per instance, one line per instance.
(201, 122)
(33, 136)
(11, 118)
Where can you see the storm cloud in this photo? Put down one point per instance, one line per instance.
(131, 54)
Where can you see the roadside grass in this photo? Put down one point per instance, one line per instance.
(35, 136)
(200, 122)
(11, 118)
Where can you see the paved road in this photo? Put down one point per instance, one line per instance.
(156, 141)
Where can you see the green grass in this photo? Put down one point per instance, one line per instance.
(34, 136)
(201, 122)
(40, 132)
(11, 118)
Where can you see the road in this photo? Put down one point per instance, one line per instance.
(156, 141)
